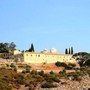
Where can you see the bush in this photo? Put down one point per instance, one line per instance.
(63, 73)
(48, 85)
(72, 65)
(4, 85)
(56, 79)
(75, 75)
(12, 65)
(24, 71)
(41, 73)
(60, 64)
(52, 77)
(87, 63)
(34, 72)
(20, 79)
(27, 68)
(52, 72)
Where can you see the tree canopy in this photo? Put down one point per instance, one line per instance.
(7, 47)
(69, 51)
(83, 58)
(66, 51)
(31, 48)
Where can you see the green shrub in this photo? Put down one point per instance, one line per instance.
(75, 75)
(12, 65)
(24, 71)
(71, 64)
(60, 64)
(34, 72)
(48, 85)
(27, 68)
(4, 85)
(63, 73)
(20, 79)
(56, 79)
(52, 72)
(41, 73)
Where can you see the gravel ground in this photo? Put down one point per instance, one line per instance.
(84, 84)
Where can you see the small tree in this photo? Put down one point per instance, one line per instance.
(87, 63)
(66, 51)
(12, 46)
(71, 50)
(32, 48)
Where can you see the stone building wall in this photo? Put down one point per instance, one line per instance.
(31, 57)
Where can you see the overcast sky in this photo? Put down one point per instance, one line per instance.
(46, 23)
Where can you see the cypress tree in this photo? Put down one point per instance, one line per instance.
(66, 51)
(71, 50)
(32, 48)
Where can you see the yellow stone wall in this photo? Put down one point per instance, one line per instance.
(31, 57)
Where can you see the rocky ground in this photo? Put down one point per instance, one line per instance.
(84, 84)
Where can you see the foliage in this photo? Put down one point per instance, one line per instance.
(20, 79)
(7, 47)
(66, 51)
(87, 63)
(7, 65)
(6, 78)
(71, 50)
(52, 73)
(11, 78)
(34, 72)
(52, 77)
(48, 85)
(70, 66)
(12, 46)
(32, 48)
(15, 60)
(83, 58)
(12, 65)
(41, 73)
(85, 70)
(60, 64)
(4, 85)
(63, 73)
(27, 68)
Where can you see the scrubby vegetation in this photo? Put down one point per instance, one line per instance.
(48, 85)
(68, 66)
(10, 78)
(83, 58)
